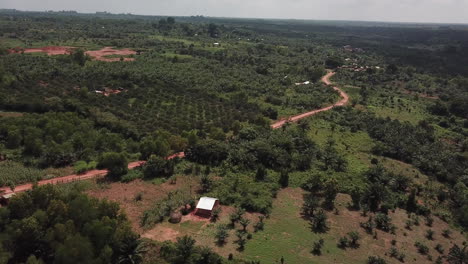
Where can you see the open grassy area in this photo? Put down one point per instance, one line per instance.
(287, 234)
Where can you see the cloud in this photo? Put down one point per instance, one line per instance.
(449, 11)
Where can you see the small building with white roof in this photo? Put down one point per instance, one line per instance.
(205, 206)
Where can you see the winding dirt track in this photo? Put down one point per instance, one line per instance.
(326, 80)
(100, 173)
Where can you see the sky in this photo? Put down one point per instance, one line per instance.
(438, 11)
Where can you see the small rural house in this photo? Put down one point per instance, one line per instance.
(205, 206)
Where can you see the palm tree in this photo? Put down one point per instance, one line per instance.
(131, 252)
(457, 255)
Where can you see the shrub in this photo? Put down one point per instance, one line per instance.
(369, 225)
(446, 233)
(422, 248)
(375, 260)
(138, 197)
(430, 234)
(354, 237)
(317, 247)
(215, 214)
(383, 222)
(221, 234)
(319, 222)
(131, 176)
(439, 248)
(343, 242)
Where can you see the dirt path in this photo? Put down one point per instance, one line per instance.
(75, 177)
(326, 80)
(101, 173)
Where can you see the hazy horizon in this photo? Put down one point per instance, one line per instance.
(410, 11)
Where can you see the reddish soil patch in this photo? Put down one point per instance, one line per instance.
(326, 80)
(50, 50)
(162, 234)
(101, 55)
(124, 194)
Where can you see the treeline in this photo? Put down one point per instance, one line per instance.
(257, 162)
(50, 225)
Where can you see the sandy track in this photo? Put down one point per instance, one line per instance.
(76, 177)
(325, 79)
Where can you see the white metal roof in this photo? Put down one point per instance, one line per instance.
(206, 203)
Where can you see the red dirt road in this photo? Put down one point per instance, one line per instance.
(326, 80)
(101, 173)
(76, 177)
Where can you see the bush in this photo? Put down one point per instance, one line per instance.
(383, 222)
(317, 247)
(354, 237)
(116, 163)
(375, 260)
(430, 234)
(131, 176)
(439, 248)
(221, 234)
(422, 248)
(343, 242)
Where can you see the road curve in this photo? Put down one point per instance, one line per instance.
(100, 173)
(325, 79)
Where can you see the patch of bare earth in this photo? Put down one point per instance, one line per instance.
(103, 54)
(50, 50)
(124, 194)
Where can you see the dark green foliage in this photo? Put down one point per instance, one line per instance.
(422, 248)
(430, 234)
(383, 222)
(317, 247)
(261, 174)
(157, 167)
(354, 238)
(284, 179)
(369, 225)
(457, 255)
(116, 163)
(343, 242)
(215, 214)
(58, 226)
(184, 251)
(221, 234)
(375, 260)
(319, 222)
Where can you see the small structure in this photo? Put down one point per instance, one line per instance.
(302, 83)
(5, 198)
(205, 206)
(175, 217)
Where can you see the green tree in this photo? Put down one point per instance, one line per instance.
(457, 255)
(221, 234)
(116, 163)
(319, 222)
(284, 179)
(131, 251)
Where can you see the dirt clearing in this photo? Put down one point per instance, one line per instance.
(106, 53)
(50, 50)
